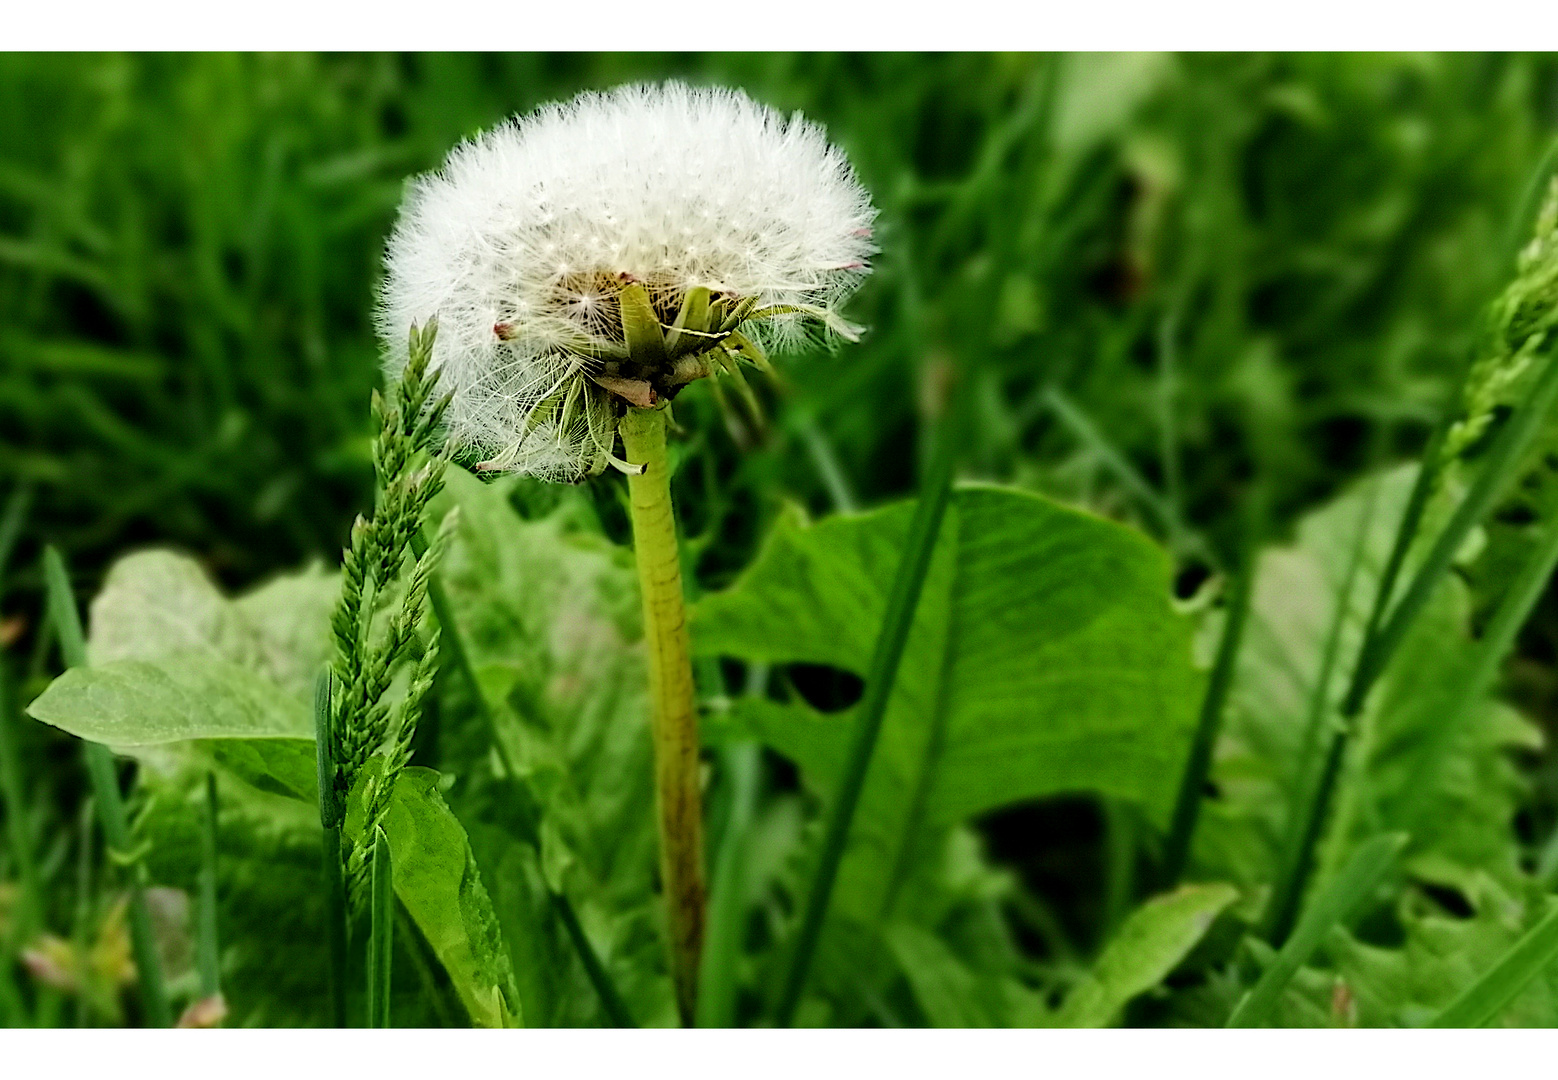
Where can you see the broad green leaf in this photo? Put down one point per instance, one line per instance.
(190, 696)
(1044, 658)
(1150, 944)
(437, 880)
(203, 679)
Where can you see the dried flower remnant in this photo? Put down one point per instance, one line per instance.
(608, 251)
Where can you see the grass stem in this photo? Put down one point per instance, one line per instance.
(1192, 785)
(890, 642)
(1352, 886)
(610, 999)
(109, 799)
(330, 850)
(1481, 1002)
(381, 931)
(1498, 470)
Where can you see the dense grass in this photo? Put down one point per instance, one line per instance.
(1199, 294)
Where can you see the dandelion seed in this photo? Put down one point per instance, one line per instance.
(539, 242)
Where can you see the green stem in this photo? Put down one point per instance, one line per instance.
(611, 1001)
(330, 849)
(1352, 886)
(728, 906)
(1192, 784)
(381, 932)
(677, 796)
(890, 642)
(453, 645)
(207, 953)
(110, 801)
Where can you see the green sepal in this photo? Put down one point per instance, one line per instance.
(640, 327)
(694, 316)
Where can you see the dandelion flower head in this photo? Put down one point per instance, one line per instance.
(610, 250)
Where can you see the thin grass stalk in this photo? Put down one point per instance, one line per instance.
(453, 645)
(1498, 470)
(611, 1001)
(110, 802)
(1481, 1002)
(330, 850)
(1363, 872)
(1192, 784)
(728, 898)
(894, 635)
(678, 799)
(208, 957)
(381, 931)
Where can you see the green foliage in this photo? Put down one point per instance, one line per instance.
(1029, 611)
(436, 878)
(1149, 945)
(1170, 284)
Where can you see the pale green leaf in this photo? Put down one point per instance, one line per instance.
(437, 880)
(1149, 945)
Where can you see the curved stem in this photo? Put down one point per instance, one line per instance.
(677, 797)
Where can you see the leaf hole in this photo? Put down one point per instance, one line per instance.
(826, 689)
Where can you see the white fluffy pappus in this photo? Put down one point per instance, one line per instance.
(522, 245)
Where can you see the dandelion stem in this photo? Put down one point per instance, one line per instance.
(110, 802)
(677, 795)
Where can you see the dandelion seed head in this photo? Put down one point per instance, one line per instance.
(522, 244)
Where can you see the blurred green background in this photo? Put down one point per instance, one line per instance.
(1197, 293)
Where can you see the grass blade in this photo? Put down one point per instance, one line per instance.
(894, 635)
(728, 896)
(1358, 878)
(1482, 1001)
(381, 932)
(330, 850)
(611, 1001)
(1187, 805)
(110, 801)
(1497, 472)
